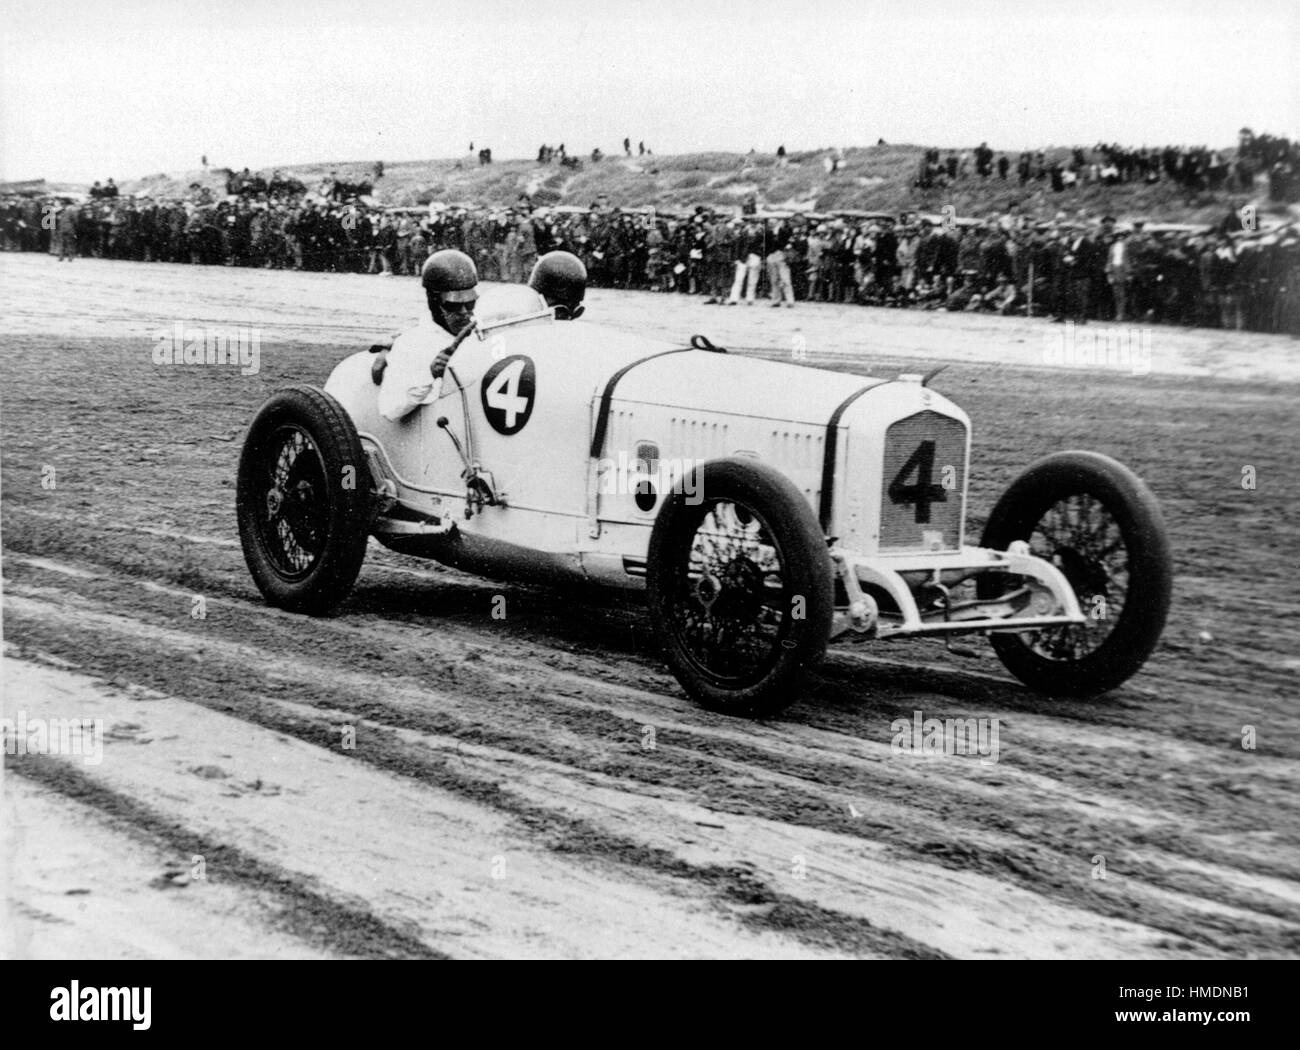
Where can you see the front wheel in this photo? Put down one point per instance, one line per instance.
(1096, 521)
(303, 500)
(740, 586)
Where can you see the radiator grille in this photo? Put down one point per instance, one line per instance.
(922, 483)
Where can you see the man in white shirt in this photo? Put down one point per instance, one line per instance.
(449, 279)
(1118, 273)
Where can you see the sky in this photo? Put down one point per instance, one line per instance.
(126, 88)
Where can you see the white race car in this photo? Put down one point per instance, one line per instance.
(766, 508)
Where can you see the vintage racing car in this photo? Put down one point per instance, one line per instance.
(766, 508)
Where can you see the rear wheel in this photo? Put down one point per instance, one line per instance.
(1100, 525)
(303, 501)
(740, 586)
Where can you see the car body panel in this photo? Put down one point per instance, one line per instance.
(579, 432)
(685, 405)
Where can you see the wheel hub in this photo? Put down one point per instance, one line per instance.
(1086, 576)
(707, 589)
(734, 590)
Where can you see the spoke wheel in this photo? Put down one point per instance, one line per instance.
(739, 583)
(732, 600)
(1081, 537)
(303, 501)
(292, 528)
(1101, 527)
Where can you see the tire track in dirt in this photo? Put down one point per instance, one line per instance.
(310, 916)
(84, 884)
(958, 857)
(797, 776)
(218, 687)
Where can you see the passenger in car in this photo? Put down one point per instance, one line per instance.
(561, 279)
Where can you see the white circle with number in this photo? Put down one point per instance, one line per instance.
(508, 391)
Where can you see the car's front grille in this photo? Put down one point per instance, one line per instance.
(923, 479)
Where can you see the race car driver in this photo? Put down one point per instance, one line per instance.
(561, 279)
(450, 287)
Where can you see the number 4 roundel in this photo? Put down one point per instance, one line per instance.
(508, 392)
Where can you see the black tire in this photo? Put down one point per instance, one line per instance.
(304, 518)
(1114, 551)
(735, 633)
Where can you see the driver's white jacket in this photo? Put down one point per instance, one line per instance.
(407, 381)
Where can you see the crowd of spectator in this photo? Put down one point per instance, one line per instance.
(557, 154)
(1078, 267)
(1192, 168)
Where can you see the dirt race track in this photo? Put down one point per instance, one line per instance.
(540, 785)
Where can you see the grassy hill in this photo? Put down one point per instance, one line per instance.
(874, 178)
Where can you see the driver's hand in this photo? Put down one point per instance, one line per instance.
(439, 366)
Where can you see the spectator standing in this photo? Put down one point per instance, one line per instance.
(1118, 273)
(996, 267)
(946, 258)
(67, 221)
(863, 246)
(886, 259)
(778, 267)
(969, 251)
(507, 252)
(813, 262)
(749, 248)
(527, 249)
(718, 256)
(796, 256)
(383, 246)
(906, 259)
(654, 261)
(1223, 278)
(1143, 272)
(1081, 260)
(844, 261)
(417, 249)
(402, 248)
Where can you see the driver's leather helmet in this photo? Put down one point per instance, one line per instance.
(450, 281)
(561, 279)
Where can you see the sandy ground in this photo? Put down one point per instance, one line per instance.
(539, 786)
(98, 298)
